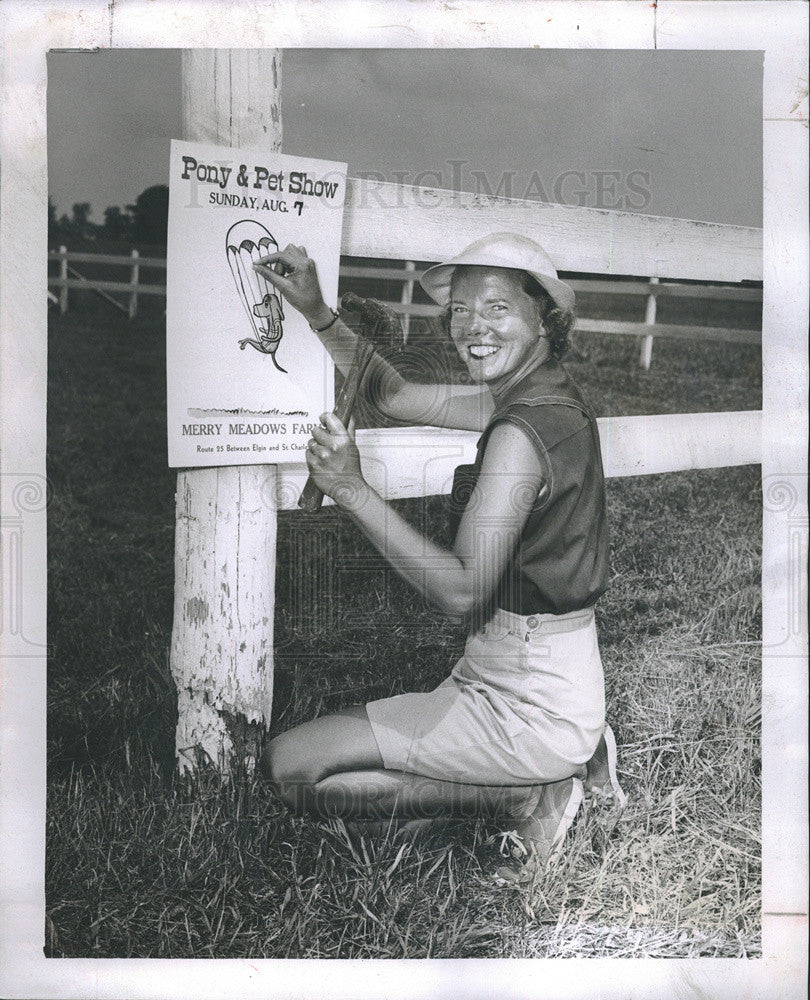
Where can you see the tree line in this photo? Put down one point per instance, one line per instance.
(144, 222)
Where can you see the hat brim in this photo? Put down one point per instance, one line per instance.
(437, 279)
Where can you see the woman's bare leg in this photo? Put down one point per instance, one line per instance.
(379, 794)
(331, 767)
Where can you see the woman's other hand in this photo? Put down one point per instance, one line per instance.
(294, 274)
(334, 462)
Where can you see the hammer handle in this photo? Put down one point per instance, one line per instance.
(311, 497)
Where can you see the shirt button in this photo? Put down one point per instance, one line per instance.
(532, 621)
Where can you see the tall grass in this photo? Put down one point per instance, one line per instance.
(142, 864)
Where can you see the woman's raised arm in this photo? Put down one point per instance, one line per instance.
(465, 407)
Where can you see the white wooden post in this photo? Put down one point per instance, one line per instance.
(133, 279)
(649, 319)
(63, 278)
(225, 540)
(407, 298)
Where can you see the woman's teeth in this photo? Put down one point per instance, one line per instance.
(482, 350)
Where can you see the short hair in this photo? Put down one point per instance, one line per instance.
(557, 322)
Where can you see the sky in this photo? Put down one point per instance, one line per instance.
(660, 132)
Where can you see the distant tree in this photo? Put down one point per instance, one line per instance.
(150, 215)
(52, 224)
(81, 219)
(116, 224)
(81, 211)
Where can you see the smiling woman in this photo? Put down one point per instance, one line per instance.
(517, 730)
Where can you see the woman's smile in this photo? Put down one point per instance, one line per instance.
(481, 351)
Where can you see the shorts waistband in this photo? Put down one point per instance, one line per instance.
(547, 623)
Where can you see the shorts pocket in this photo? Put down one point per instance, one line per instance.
(493, 632)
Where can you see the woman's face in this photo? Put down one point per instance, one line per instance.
(495, 325)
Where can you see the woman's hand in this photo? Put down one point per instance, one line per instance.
(334, 462)
(294, 274)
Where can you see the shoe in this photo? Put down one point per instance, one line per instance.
(600, 789)
(538, 839)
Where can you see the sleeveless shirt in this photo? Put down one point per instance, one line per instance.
(561, 561)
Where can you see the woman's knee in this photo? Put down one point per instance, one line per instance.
(285, 759)
(281, 765)
(328, 745)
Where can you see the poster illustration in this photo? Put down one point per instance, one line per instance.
(246, 376)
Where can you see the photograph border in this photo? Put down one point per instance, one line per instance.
(778, 28)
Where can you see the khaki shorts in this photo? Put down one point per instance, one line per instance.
(524, 704)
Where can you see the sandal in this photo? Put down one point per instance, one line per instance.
(538, 839)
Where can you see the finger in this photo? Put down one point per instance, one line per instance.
(351, 428)
(276, 280)
(283, 262)
(272, 257)
(328, 446)
(289, 257)
(333, 425)
(323, 437)
(274, 265)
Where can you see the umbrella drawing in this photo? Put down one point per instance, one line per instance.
(245, 243)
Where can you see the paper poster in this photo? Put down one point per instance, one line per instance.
(246, 376)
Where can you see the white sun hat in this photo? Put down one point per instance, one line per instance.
(500, 250)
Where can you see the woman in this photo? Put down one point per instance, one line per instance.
(519, 723)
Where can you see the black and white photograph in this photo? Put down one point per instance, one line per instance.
(484, 661)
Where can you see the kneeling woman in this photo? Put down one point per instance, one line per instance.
(519, 723)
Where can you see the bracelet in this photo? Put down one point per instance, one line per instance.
(332, 321)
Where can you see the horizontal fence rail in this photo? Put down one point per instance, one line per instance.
(396, 221)
(739, 293)
(395, 462)
(718, 293)
(122, 260)
(108, 286)
(674, 330)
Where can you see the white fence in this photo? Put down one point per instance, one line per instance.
(70, 277)
(652, 290)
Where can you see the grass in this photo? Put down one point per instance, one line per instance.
(141, 864)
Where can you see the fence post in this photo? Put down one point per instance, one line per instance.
(406, 299)
(133, 279)
(225, 531)
(649, 319)
(63, 279)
